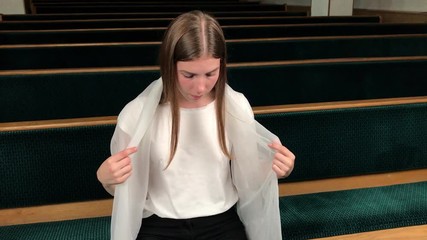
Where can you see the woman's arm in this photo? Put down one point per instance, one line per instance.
(115, 170)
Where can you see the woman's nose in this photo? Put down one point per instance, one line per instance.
(200, 84)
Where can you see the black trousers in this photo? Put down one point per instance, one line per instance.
(224, 226)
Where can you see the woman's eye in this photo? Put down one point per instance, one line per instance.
(188, 75)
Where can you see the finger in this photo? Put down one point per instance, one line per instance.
(282, 163)
(119, 161)
(123, 178)
(124, 162)
(285, 166)
(279, 172)
(279, 147)
(122, 172)
(282, 159)
(282, 170)
(123, 154)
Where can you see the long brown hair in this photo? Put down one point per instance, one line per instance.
(188, 37)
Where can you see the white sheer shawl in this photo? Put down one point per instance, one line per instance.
(252, 173)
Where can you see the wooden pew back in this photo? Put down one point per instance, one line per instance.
(230, 32)
(52, 56)
(164, 22)
(53, 94)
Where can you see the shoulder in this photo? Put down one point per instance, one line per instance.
(129, 115)
(238, 104)
(144, 104)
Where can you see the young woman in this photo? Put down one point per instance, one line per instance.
(188, 159)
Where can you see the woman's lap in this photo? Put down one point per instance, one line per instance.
(223, 226)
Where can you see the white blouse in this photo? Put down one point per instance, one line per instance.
(253, 177)
(198, 180)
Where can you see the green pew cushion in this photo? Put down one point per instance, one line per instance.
(302, 216)
(352, 211)
(81, 229)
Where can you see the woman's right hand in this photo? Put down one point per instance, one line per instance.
(116, 169)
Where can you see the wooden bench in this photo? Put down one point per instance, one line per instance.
(117, 7)
(87, 16)
(392, 134)
(136, 1)
(231, 32)
(50, 56)
(164, 22)
(142, 3)
(68, 93)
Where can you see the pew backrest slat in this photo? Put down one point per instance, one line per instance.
(53, 94)
(164, 22)
(116, 15)
(155, 8)
(231, 32)
(50, 56)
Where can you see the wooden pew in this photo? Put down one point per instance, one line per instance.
(87, 16)
(304, 190)
(164, 22)
(230, 32)
(134, 1)
(141, 3)
(52, 56)
(67, 93)
(155, 8)
(169, 3)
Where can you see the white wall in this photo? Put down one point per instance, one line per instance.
(341, 7)
(12, 6)
(320, 8)
(392, 5)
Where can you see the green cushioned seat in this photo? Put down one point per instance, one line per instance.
(353, 211)
(82, 229)
(230, 32)
(68, 95)
(302, 217)
(114, 55)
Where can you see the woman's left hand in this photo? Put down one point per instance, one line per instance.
(283, 162)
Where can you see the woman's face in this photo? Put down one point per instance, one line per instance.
(196, 79)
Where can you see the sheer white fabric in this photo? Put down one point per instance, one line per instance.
(253, 177)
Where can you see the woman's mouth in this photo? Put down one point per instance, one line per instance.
(194, 97)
